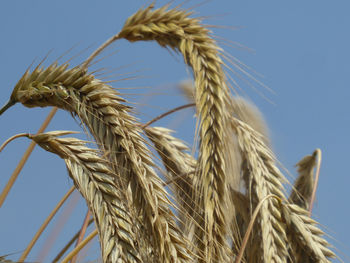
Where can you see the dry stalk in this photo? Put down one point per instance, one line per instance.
(69, 244)
(44, 225)
(82, 233)
(100, 108)
(80, 246)
(95, 181)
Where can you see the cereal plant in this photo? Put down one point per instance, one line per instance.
(228, 203)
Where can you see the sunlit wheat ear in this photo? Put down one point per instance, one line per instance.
(181, 168)
(244, 111)
(95, 181)
(305, 237)
(303, 185)
(248, 113)
(175, 29)
(117, 133)
(263, 178)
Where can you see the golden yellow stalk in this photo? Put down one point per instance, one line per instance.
(76, 250)
(44, 225)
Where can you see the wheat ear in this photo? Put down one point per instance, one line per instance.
(95, 181)
(117, 133)
(303, 185)
(175, 29)
(305, 236)
(181, 167)
(263, 178)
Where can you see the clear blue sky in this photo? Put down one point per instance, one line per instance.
(301, 49)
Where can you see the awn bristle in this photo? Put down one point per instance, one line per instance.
(95, 181)
(118, 135)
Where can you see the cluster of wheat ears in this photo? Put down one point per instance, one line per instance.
(228, 204)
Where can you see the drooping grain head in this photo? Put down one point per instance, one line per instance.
(117, 133)
(48, 87)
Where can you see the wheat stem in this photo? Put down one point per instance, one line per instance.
(167, 113)
(44, 225)
(11, 139)
(69, 244)
(81, 245)
(82, 233)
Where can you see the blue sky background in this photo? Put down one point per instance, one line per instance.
(300, 48)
